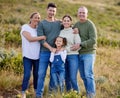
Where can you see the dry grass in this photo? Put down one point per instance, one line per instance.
(10, 84)
(107, 73)
(107, 66)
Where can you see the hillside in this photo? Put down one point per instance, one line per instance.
(104, 13)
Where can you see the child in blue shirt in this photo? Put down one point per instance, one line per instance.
(57, 59)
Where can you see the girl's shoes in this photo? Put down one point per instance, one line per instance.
(23, 95)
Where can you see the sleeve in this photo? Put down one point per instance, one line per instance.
(63, 55)
(92, 37)
(67, 48)
(52, 57)
(23, 28)
(40, 31)
(77, 38)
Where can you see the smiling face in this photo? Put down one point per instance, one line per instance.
(59, 42)
(34, 19)
(66, 22)
(82, 14)
(51, 12)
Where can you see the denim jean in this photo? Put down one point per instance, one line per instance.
(28, 63)
(58, 79)
(71, 70)
(43, 65)
(86, 66)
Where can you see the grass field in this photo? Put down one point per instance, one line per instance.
(104, 13)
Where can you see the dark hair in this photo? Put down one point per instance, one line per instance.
(51, 5)
(64, 41)
(67, 16)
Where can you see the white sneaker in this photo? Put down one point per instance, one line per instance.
(23, 95)
(90, 95)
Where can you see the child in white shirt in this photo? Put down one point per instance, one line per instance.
(57, 60)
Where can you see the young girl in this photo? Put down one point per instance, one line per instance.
(71, 65)
(57, 60)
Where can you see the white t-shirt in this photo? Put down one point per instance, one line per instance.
(63, 55)
(30, 50)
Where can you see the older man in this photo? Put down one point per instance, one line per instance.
(87, 53)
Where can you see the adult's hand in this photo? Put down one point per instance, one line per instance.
(75, 31)
(75, 47)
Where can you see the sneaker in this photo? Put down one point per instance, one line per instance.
(23, 95)
(38, 96)
(90, 95)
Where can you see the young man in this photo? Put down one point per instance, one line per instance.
(87, 53)
(50, 27)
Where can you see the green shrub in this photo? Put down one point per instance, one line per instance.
(118, 96)
(72, 94)
(14, 20)
(11, 61)
(13, 38)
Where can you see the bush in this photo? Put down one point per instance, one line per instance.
(13, 38)
(11, 61)
(72, 94)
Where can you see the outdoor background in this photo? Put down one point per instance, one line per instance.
(104, 13)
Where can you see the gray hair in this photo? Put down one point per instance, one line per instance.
(83, 8)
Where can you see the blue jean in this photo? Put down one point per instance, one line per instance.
(43, 65)
(86, 66)
(28, 63)
(71, 70)
(58, 79)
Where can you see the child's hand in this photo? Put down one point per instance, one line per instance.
(75, 47)
(62, 49)
(53, 50)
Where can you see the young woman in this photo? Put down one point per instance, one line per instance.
(30, 51)
(71, 65)
(57, 59)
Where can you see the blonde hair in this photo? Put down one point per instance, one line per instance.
(31, 16)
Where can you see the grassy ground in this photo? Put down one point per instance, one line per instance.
(106, 16)
(107, 73)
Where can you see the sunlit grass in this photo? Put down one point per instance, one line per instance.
(106, 16)
(107, 73)
(107, 70)
(9, 81)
